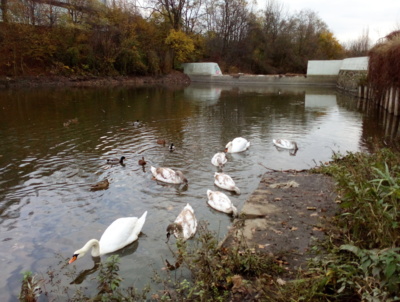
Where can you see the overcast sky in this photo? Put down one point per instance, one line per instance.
(348, 19)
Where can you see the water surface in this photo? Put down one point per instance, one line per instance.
(47, 163)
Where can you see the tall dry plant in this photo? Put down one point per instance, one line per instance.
(384, 64)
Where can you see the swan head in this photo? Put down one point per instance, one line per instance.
(181, 176)
(77, 254)
(174, 228)
(91, 244)
(228, 147)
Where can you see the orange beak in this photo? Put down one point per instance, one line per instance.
(74, 257)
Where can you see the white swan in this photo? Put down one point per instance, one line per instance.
(224, 181)
(185, 224)
(239, 144)
(285, 144)
(168, 175)
(219, 159)
(119, 234)
(221, 202)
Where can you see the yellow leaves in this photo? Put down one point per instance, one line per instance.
(329, 45)
(182, 44)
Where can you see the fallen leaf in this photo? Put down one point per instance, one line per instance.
(276, 231)
(294, 228)
(277, 199)
(237, 281)
(280, 281)
(311, 208)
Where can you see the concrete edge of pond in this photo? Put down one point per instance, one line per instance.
(285, 215)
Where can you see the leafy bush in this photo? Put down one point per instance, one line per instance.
(219, 273)
(370, 190)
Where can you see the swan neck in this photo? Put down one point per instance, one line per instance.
(93, 244)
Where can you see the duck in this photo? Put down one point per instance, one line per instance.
(238, 144)
(171, 147)
(142, 162)
(116, 161)
(118, 234)
(220, 202)
(168, 175)
(224, 181)
(136, 124)
(101, 185)
(219, 159)
(285, 144)
(184, 226)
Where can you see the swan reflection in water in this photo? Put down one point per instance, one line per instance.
(126, 251)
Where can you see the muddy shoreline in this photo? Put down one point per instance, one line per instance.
(174, 79)
(285, 216)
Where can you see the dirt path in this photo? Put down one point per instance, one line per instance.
(285, 215)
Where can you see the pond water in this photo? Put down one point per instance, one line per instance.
(47, 164)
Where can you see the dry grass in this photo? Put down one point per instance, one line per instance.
(384, 64)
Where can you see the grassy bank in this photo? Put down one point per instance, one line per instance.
(359, 261)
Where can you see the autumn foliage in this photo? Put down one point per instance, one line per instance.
(86, 37)
(384, 63)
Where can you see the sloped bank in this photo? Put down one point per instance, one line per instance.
(285, 216)
(174, 78)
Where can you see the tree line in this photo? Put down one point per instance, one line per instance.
(87, 37)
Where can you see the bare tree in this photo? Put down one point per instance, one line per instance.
(274, 17)
(4, 10)
(180, 14)
(360, 46)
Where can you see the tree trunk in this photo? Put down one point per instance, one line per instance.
(4, 11)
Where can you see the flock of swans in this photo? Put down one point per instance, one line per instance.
(126, 230)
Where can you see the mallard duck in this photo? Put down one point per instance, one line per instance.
(184, 226)
(285, 144)
(101, 185)
(116, 161)
(239, 144)
(219, 159)
(168, 175)
(224, 181)
(142, 162)
(221, 202)
(171, 147)
(119, 234)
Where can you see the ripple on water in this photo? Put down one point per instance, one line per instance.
(46, 199)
